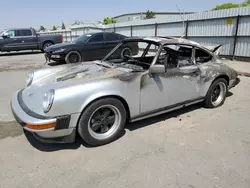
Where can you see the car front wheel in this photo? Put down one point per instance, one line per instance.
(102, 121)
(73, 57)
(216, 94)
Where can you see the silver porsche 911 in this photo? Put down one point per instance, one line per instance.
(96, 99)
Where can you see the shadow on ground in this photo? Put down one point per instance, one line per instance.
(20, 53)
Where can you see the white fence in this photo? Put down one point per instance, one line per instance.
(229, 27)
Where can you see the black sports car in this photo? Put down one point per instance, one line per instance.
(88, 47)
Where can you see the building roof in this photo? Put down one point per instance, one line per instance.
(138, 13)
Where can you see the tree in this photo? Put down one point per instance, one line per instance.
(231, 5)
(149, 15)
(108, 20)
(63, 26)
(53, 28)
(42, 28)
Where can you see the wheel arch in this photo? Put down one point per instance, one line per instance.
(96, 98)
(226, 77)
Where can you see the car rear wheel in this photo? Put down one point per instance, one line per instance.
(73, 57)
(102, 122)
(216, 94)
(46, 45)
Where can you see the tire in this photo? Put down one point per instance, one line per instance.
(45, 45)
(217, 98)
(73, 57)
(126, 51)
(94, 114)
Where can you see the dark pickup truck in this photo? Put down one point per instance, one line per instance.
(19, 39)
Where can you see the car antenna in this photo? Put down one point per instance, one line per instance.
(183, 21)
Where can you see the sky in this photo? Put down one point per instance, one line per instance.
(34, 13)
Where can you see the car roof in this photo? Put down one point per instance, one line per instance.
(164, 40)
(104, 32)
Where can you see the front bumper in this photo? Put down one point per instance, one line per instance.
(62, 132)
(234, 83)
(54, 57)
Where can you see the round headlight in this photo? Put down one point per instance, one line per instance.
(48, 100)
(30, 77)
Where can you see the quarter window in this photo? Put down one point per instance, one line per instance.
(202, 57)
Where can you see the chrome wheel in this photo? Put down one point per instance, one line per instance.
(218, 93)
(104, 122)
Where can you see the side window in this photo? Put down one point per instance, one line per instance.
(174, 56)
(202, 57)
(112, 37)
(24, 32)
(11, 33)
(97, 38)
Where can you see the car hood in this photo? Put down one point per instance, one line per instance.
(67, 76)
(59, 46)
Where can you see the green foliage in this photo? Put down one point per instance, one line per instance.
(63, 26)
(108, 20)
(149, 15)
(231, 5)
(53, 28)
(42, 28)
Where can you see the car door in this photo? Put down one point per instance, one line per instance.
(179, 85)
(10, 41)
(94, 48)
(111, 40)
(28, 41)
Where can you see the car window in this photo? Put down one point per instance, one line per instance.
(24, 32)
(122, 37)
(82, 38)
(201, 56)
(11, 33)
(112, 37)
(97, 38)
(174, 56)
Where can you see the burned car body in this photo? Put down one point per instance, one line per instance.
(96, 99)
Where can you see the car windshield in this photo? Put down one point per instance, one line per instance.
(136, 54)
(82, 38)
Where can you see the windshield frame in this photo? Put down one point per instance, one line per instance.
(128, 41)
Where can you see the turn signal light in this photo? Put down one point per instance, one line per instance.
(41, 127)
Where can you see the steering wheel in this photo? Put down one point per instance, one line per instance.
(129, 57)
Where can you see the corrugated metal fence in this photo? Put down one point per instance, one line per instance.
(230, 27)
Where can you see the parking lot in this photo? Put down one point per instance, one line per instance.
(189, 148)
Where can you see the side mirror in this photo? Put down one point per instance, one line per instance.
(5, 35)
(157, 69)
